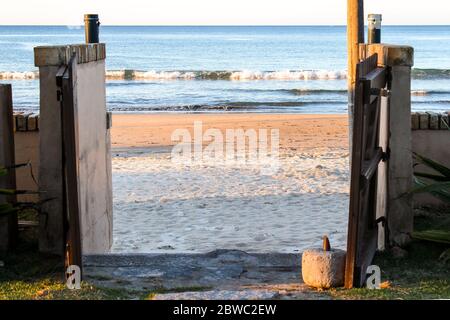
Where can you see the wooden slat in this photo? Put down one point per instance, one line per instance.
(415, 124)
(445, 121)
(424, 121)
(434, 121)
(352, 236)
(370, 167)
(21, 120)
(8, 227)
(67, 80)
(375, 79)
(32, 123)
(23, 224)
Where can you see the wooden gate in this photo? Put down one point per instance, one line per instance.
(67, 84)
(362, 240)
(8, 223)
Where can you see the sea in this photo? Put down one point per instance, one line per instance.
(293, 69)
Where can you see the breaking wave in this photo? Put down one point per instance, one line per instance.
(420, 93)
(424, 74)
(200, 75)
(230, 106)
(13, 75)
(244, 75)
(226, 75)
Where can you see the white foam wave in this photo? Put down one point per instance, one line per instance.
(244, 75)
(288, 75)
(419, 93)
(163, 75)
(29, 75)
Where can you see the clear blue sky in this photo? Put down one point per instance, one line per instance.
(218, 12)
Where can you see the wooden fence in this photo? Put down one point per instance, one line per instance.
(430, 121)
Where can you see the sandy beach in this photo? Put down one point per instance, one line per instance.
(162, 206)
(298, 131)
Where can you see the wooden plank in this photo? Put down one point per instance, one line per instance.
(370, 167)
(445, 121)
(32, 123)
(424, 121)
(374, 82)
(415, 124)
(21, 122)
(8, 225)
(354, 189)
(70, 150)
(23, 224)
(109, 120)
(434, 121)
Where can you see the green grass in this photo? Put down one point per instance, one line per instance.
(420, 275)
(54, 289)
(28, 215)
(28, 275)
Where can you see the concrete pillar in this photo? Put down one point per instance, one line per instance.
(399, 170)
(94, 148)
(8, 224)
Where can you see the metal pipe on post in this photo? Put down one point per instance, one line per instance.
(374, 35)
(355, 36)
(91, 27)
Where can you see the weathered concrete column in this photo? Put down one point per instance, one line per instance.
(399, 213)
(93, 144)
(8, 224)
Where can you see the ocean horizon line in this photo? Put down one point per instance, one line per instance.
(221, 26)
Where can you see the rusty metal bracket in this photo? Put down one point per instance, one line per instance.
(59, 80)
(381, 220)
(108, 120)
(386, 155)
(380, 92)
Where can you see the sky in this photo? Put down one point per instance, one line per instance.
(218, 12)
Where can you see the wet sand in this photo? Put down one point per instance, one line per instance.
(298, 131)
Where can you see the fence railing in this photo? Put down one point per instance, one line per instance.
(427, 120)
(430, 121)
(26, 121)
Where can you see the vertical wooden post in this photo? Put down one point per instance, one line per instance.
(8, 224)
(355, 36)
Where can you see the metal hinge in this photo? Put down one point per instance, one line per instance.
(386, 155)
(381, 220)
(380, 92)
(59, 82)
(59, 95)
(389, 77)
(108, 120)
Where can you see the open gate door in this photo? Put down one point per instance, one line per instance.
(67, 83)
(362, 240)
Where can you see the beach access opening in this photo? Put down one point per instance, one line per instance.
(86, 80)
(75, 171)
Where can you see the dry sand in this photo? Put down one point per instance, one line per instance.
(162, 206)
(299, 131)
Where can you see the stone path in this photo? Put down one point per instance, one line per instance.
(221, 274)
